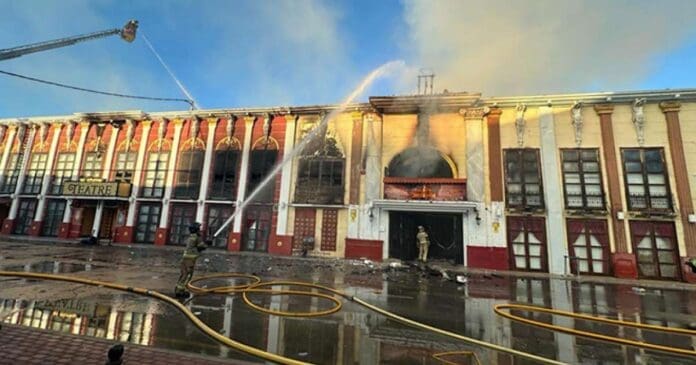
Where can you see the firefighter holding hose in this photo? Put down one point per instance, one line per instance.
(194, 247)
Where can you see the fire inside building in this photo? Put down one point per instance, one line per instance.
(589, 184)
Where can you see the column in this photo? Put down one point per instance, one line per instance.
(161, 236)
(6, 151)
(106, 171)
(65, 226)
(553, 194)
(373, 176)
(681, 177)
(207, 163)
(286, 176)
(46, 182)
(9, 223)
(624, 263)
(353, 174)
(235, 241)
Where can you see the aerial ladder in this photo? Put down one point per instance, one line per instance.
(127, 33)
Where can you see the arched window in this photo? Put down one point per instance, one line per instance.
(263, 159)
(225, 166)
(188, 174)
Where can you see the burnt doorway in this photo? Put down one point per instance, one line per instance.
(107, 222)
(88, 213)
(444, 229)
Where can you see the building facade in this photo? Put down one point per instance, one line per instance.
(590, 184)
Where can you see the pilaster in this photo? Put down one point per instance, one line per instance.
(137, 174)
(9, 222)
(84, 129)
(161, 236)
(46, 182)
(473, 119)
(207, 163)
(110, 151)
(286, 176)
(7, 151)
(243, 177)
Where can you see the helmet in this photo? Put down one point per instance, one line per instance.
(195, 227)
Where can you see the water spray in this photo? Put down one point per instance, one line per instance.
(290, 155)
(192, 101)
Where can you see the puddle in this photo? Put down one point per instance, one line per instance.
(52, 267)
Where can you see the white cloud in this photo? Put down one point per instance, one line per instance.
(503, 47)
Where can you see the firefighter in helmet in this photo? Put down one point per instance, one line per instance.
(194, 247)
(423, 242)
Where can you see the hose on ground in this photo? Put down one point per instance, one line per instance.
(253, 287)
(500, 310)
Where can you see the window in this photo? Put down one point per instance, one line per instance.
(582, 179)
(224, 175)
(182, 217)
(523, 179)
(125, 166)
(62, 172)
(217, 215)
(261, 164)
(589, 246)
(148, 220)
(92, 166)
(25, 216)
(35, 173)
(14, 167)
(153, 186)
(53, 218)
(655, 247)
(258, 228)
(527, 239)
(647, 187)
(320, 180)
(188, 174)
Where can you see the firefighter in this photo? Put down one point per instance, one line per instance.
(194, 246)
(423, 243)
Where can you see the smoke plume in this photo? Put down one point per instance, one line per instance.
(544, 46)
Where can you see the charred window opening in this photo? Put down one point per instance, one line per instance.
(320, 175)
(523, 179)
(224, 174)
(420, 162)
(188, 174)
(261, 164)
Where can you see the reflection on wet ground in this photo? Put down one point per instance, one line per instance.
(351, 336)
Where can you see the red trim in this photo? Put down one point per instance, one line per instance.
(161, 236)
(234, 243)
(371, 249)
(124, 234)
(423, 180)
(280, 245)
(8, 226)
(494, 258)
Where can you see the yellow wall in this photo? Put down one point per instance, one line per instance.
(687, 119)
(508, 133)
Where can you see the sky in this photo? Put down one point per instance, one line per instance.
(266, 53)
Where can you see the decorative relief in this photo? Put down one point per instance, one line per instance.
(520, 123)
(43, 132)
(3, 130)
(162, 128)
(639, 120)
(474, 113)
(195, 127)
(267, 125)
(130, 133)
(229, 128)
(576, 119)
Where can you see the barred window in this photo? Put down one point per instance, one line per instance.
(153, 186)
(523, 184)
(645, 174)
(125, 166)
(92, 166)
(14, 167)
(35, 173)
(188, 174)
(62, 172)
(582, 179)
(224, 182)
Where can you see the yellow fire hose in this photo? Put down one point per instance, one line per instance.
(253, 287)
(500, 310)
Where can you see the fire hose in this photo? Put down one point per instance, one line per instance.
(256, 286)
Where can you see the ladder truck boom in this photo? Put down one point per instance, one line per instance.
(127, 33)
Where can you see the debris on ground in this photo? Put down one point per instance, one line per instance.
(445, 275)
(303, 354)
(461, 279)
(638, 290)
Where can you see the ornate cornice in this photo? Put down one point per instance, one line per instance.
(249, 119)
(474, 113)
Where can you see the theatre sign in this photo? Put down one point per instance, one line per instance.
(96, 189)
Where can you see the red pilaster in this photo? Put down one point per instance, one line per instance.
(124, 234)
(35, 229)
(161, 236)
(8, 226)
(234, 243)
(64, 231)
(624, 265)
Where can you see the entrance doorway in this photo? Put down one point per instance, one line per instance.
(444, 229)
(107, 222)
(257, 228)
(87, 221)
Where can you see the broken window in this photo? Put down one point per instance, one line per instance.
(261, 164)
(647, 187)
(582, 179)
(188, 175)
(320, 175)
(523, 179)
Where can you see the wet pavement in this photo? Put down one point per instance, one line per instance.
(353, 335)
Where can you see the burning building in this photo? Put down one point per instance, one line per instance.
(592, 184)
